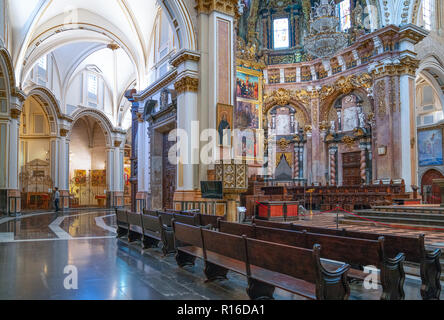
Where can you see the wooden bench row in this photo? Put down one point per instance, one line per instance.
(266, 265)
(356, 252)
(413, 248)
(155, 226)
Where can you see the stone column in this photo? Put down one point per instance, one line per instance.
(118, 197)
(333, 151)
(110, 176)
(188, 125)
(301, 161)
(410, 36)
(144, 172)
(10, 196)
(13, 205)
(318, 151)
(134, 129)
(296, 162)
(63, 169)
(363, 162)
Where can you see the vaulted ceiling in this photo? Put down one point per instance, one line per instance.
(43, 26)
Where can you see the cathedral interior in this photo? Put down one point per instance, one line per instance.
(144, 141)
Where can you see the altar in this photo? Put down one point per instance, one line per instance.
(278, 210)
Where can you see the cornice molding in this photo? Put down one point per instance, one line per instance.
(152, 89)
(184, 56)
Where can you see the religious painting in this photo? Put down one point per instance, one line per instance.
(247, 115)
(430, 147)
(127, 175)
(98, 178)
(245, 144)
(247, 86)
(80, 177)
(224, 122)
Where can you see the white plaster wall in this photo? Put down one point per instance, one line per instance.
(80, 153)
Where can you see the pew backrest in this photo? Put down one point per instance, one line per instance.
(151, 223)
(121, 216)
(150, 212)
(134, 219)
(228, 245)
(236, 229)
(187, 234)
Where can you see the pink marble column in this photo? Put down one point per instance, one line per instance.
(333, 166)
(363, 164)
(296, 163)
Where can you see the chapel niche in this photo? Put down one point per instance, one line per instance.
(286, 143)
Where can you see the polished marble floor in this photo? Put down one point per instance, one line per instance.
(36, 249)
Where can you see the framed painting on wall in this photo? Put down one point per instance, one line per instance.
(224, 123)
(245, 144)
(430, 147)
(247, 86)
(247, 115)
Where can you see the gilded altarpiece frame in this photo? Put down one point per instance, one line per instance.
(256, 102)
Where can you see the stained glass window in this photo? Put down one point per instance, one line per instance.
(344, 15)
(281, 35)
(92, 84)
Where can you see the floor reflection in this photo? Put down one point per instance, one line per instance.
(111, 269)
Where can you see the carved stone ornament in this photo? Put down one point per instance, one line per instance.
(247, 55)
(280, 97)
(187, 84)
(348, 141)
(283, 144)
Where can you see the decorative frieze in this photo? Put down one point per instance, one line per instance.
(187, 84)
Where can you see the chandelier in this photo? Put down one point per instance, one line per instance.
(324, 40)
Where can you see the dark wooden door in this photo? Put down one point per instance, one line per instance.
(168, 175)
(431, 192)
(351, 164)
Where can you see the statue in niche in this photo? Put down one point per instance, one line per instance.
(357, 16)
(361, 119)
(164, 95)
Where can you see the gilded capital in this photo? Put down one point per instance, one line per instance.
(187, 84)
(63, 132)
(15, 114)
(228, 7)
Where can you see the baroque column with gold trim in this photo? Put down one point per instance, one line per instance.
(187, 88)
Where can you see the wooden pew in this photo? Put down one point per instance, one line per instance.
(150, 212)
(261, 262)
(206, 220)
(135, 232)
(352, 251)
(413, 248)
(151, 231)
(122, 223)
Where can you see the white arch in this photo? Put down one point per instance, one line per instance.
(182, 22)
(102, 120)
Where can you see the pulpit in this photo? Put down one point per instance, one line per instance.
(234, 182)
